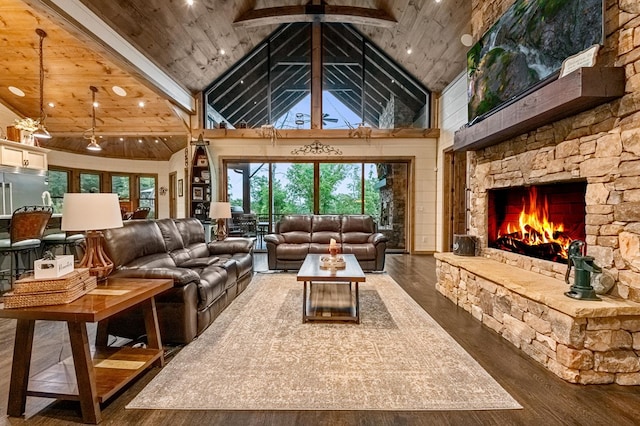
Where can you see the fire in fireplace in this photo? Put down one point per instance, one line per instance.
(538, 221)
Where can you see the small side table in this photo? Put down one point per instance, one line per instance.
(100, 376)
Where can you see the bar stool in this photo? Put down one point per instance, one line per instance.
(25, 237)
(141, 213)
(65, 240)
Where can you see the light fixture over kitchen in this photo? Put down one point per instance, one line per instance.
(93, 144)
(41, 132)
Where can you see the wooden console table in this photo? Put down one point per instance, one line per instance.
(99, 375)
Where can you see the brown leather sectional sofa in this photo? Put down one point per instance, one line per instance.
(297, 235)
(207, 277)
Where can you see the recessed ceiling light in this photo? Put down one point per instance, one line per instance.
(141, 104)
(157, 141)
(139, 140)
(16, 91)
(51, 105)
(121, 139)
(96, 105)
(466, 39)
(222, 51)
(409, 51)
(241, 81)
(190, 2)
(119, 91)
(438, 1)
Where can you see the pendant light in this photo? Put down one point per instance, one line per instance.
(41, 132)
(93, 144)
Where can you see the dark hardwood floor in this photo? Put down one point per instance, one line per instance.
(546, 399)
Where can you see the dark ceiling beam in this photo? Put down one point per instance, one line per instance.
(344, 61)
(315, 13)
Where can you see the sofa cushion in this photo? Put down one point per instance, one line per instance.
(294, 223)
(173, 241)
(156, 260)
(356, 229)
(361, 251)
(136, 239)
(191, 230)
(324, 228)
(292, 251)
(213, 280)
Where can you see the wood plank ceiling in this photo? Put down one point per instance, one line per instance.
(186, 42)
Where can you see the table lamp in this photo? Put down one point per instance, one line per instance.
(220, 211)
(91, 212)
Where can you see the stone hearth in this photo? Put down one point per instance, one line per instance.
(587, 342)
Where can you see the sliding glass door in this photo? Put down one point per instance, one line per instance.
(260, 193)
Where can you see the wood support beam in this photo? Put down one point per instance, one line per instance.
(579, 91)
(321, 133)
(316, 75)
(315, 13)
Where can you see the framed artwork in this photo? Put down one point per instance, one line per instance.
(180, 188)
(198, 194)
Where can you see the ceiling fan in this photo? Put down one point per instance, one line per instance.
(302, 118)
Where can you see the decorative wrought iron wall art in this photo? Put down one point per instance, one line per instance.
(316, 148)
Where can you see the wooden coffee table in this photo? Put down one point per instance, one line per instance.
(98, 375)
(332, 294)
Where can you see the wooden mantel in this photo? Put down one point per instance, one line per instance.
(579, 91)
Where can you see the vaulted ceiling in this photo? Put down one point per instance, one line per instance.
(181, 45)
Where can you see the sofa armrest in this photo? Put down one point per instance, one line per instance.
(180, 276)
(378, 238)
(274, 238)
(231, 246)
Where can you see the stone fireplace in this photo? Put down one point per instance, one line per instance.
(593, 155)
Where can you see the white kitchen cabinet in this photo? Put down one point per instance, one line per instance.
(19, 155)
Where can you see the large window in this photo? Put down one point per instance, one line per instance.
(133, 190)
(89, 182)
(360, 84)
(58, 186)
(147, 193)
(263, 192)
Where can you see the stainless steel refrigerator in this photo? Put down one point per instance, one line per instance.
(21, 187)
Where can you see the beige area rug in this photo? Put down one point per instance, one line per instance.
(258, 355)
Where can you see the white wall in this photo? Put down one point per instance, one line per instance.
(178, 164)
(453, 115)
(95, 162)
(424, 152)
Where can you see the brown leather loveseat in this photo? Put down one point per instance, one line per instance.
(207, 277)
(297, 235)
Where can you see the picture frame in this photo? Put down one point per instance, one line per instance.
(202, 162)
(198, 194)
(180, 188)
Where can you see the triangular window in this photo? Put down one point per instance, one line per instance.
(360, 84)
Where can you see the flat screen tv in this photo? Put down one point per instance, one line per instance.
(525, 49)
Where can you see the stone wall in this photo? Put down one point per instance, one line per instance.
(600, 146)
(595, 347)
(393, 200)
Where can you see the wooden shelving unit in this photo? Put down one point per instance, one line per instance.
(200, 187)
(579, 91)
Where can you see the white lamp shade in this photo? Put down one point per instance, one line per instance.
(220, 210)
(90, 212)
